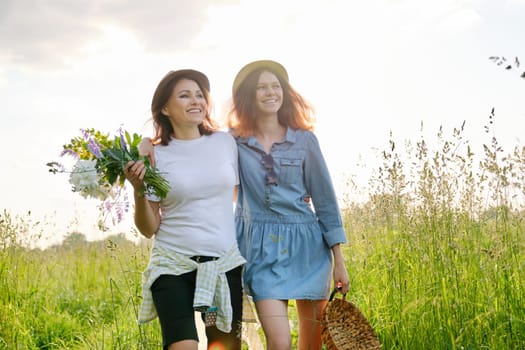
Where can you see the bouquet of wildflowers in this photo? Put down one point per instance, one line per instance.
(99, 169)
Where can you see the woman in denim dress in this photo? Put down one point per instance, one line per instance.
(289, 226)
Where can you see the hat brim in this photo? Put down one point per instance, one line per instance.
(255, 65)
(200, 77)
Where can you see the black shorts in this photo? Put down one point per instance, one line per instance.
(173, 299)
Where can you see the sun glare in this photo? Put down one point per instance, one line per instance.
(114, 46)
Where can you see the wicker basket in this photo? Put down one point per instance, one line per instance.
(344, 327)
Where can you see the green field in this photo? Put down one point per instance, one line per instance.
(436, 257)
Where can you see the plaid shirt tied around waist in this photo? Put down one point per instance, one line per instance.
(211, 286)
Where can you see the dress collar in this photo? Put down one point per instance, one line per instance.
(291, 136)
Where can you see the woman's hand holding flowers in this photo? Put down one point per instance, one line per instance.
(135, 172)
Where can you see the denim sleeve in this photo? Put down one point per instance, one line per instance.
(320, 187)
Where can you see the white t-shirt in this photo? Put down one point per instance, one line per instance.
(197, 214)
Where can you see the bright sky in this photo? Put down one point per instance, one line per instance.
(369, 67)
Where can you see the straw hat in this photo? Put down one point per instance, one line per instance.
(344, 327)
(252, 66)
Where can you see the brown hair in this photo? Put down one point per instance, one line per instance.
(295, 111)
(163, 128)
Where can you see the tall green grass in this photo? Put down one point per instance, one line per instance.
(79, 295)
(436, 257)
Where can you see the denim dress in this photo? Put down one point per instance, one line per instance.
(285, 240)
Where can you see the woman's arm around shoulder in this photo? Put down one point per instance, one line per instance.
(146, 149)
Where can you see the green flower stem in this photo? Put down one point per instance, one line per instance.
(114, 162)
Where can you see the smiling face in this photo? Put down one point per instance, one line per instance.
(268, 94)
(187, 105)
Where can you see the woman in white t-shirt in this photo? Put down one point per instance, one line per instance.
(195, 264)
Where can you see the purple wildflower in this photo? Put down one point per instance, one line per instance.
(94, 148)
(122, 138)
(119, 213)
(126, 202)
(69, 152)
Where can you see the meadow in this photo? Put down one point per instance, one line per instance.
(436, 257)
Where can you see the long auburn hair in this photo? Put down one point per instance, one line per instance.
(161, 123)
(295, 111)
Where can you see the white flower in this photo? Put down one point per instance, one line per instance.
(86, 180)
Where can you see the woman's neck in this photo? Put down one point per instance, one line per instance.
(268, 131)
(186, 133)
(267, 125)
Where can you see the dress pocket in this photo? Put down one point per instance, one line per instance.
(290, 170)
